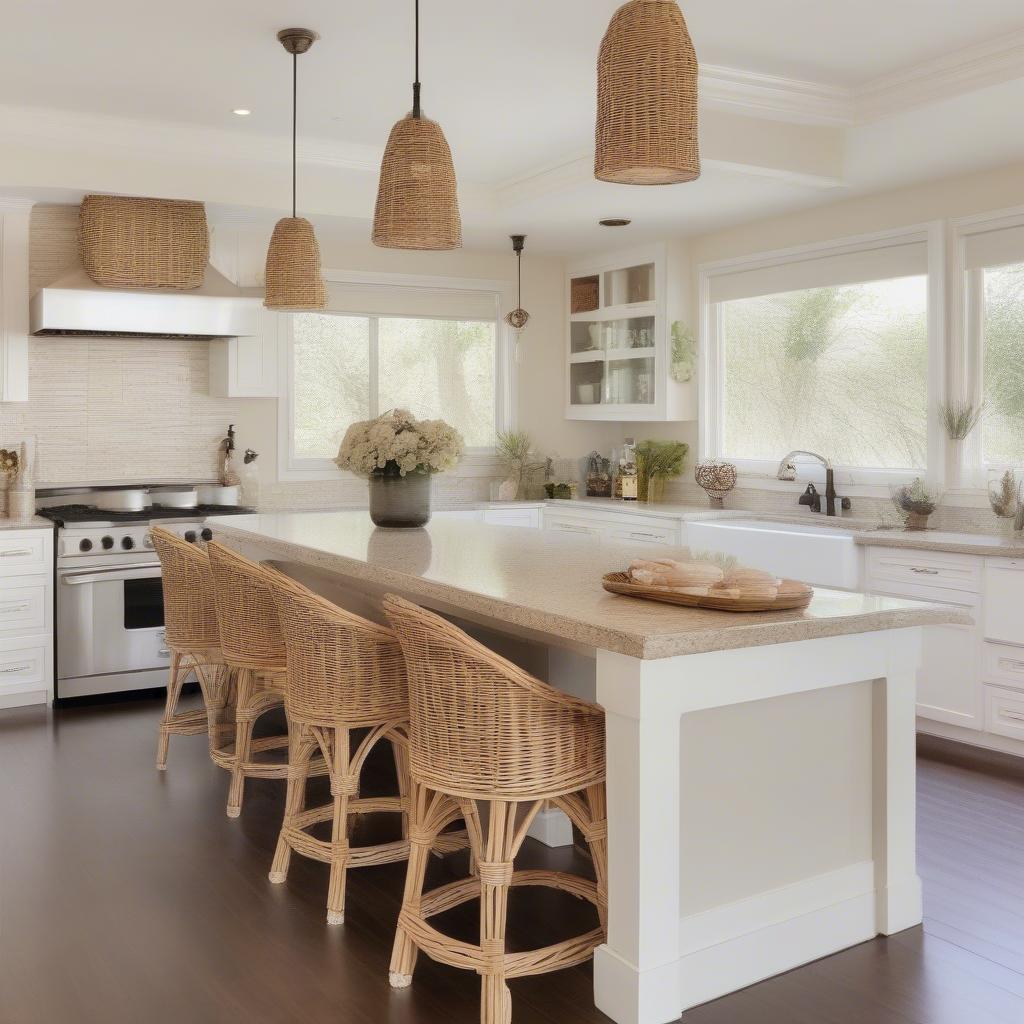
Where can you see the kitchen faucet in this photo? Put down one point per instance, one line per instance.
(787, 471)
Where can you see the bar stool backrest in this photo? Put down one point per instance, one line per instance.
(190, 615)
(341, 667)
(250, 631)
(481, 727)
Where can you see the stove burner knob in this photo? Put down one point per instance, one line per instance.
(190, 536)
(127, 543)
(85, 545)
(207, 534)
(108, 543)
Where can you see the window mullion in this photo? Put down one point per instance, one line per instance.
(374, 332)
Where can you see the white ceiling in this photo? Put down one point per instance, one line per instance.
(513, 86)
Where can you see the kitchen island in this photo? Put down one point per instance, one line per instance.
(761, 767)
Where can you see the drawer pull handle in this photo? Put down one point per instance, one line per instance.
(7, 609)
(1012, 715)
(570, 528)
(13, 669)
(924, 572)
(1010, 665)
(163, 653)
(15, 552)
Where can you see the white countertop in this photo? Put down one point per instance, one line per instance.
(550, 583)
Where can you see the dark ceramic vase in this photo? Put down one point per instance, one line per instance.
(400, 501)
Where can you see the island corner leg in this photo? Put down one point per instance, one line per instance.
(636, 971)
(898, 902)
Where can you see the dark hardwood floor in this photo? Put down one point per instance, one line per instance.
(127, 895)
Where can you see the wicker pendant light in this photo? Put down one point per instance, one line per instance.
(417, 199)
(518, 318)
(647, 97)
(293, 257)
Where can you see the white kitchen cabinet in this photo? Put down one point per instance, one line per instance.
(621, 526)
(1004, 712)
(26, 616)
(949, 678)
(1004, 600)
(248, 367)
(527, 517)
(619, 317)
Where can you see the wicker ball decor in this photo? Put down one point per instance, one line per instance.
(717, 479)
(647, 97)
(417, 199)
(134, 242)
(293, 267)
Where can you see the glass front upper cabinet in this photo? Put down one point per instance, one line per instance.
(629, 286)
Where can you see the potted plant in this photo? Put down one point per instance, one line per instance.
(399, 454)
(514, 451)
(656, 462)
(959, 417)
(915, 503)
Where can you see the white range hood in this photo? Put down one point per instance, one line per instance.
(76, 305)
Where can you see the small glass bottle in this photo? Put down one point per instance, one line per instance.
(628, 472)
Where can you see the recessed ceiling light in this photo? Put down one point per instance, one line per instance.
(241, 112)
(615, 222)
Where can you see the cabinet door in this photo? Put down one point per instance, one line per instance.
(948, 681)
(247, 367)
(1004, 600)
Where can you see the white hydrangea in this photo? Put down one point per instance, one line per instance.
(397, 440)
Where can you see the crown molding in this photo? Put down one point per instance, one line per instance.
(788, 99)
(992, 62)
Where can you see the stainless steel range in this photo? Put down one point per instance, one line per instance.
(109, 617)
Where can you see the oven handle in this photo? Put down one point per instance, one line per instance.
(122, 572)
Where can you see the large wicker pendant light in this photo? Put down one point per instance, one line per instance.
(647, 97)
(417, 199)
(293, 257)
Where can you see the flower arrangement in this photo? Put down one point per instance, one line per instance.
(396, 444)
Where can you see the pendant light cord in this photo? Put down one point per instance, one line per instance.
(416, 84)
(295, 118)
(519, 275)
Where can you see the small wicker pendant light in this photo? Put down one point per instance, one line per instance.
(518, 318)
(647, 97)
(417, 199)
(293, 256)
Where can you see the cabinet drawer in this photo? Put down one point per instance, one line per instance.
(21, 554)
(934, 569)
(1004, 664)
(665, 535)
(24, 606)
(24, 668)
(1004, 712)
(528, 518)
(566, 524)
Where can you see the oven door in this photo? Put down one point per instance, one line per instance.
(110, 620)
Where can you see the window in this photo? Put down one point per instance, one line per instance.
(438, 353)
(992, 254)
(826, 351)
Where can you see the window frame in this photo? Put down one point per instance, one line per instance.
(478, 461)
(967, 343)
(866, 481)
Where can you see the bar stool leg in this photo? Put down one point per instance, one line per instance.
(495, 869)
(343, 784)
(401, 755)
(597, 841)
(421, 838)
(175, 681)
(244, 724)
(301, 747)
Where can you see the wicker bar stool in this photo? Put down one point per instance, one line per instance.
(190, 620)
(253, 647)
(485, 735)
(344, 673)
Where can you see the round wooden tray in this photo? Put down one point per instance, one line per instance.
(798, 595)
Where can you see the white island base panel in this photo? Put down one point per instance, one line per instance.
(657, 963)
